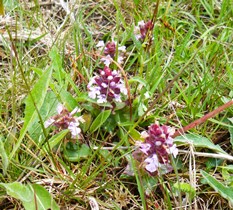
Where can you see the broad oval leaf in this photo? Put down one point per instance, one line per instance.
(75, 153)
(18, 191)
(33, 197)
(100, 119)
(198, 141)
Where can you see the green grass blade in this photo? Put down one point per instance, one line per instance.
(3, 154)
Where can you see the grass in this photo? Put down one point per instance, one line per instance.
(47, 57)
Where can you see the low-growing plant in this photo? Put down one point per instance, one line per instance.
(128, 117)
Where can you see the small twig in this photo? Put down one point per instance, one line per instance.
(203, 119)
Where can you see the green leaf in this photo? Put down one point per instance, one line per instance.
(184, 44)
(18, 191)
(48, 108)
(33, 197)
(139, 80)
(38, 94)
(42, 198)
(55, 140)
(224, 191)
(198, 141)
(76, 152)
(88, 119)
(100, 119)
(3, 154)
(59, 73)
(135, 135)
(136, 2)
(68, 99)
(228, 167)
(186, 188)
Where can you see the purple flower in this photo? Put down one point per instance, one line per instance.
(110, 50)
(142, 29)
(107, 86)
(65, 120)
(155, 151)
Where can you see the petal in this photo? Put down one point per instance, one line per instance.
(141, 23)
(48, 122)
(145, 147)
(107, 60)
(173, 150)
(122, 48)
(60, 108)
(117, 98)
(153, 163)
(100, 44)
(79, 119)
(144, 134)
(75, 131)
(75, 110)
(101, 99)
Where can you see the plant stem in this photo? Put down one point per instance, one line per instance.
(203, 119)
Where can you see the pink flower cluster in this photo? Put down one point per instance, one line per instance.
(110, 51)
(66, 120)
(142, 29)
(107, 86)
(155, 152)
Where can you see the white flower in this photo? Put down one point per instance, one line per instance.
(93, 92)
(48, 122)
(122, 48)
(173, 150)
(75, 110)
(101, 99)
(152, 163)
(144, 147)
(122, 87)
(147, 95)
(144, 134)
(100, 44)
(107, 60)
(74, 129)
(141, 23)
(120, 59)
(117, 98)
(65, 120)
(60, 108)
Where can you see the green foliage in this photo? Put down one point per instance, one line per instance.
(198, 141)
(99, 120)
(55, 140)
(192, 45)
(227, 174)
(224, 191)
(47, 109)
(32, 196)
(33, 103)
(4, 156)
(185, 188)
(74, 152)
